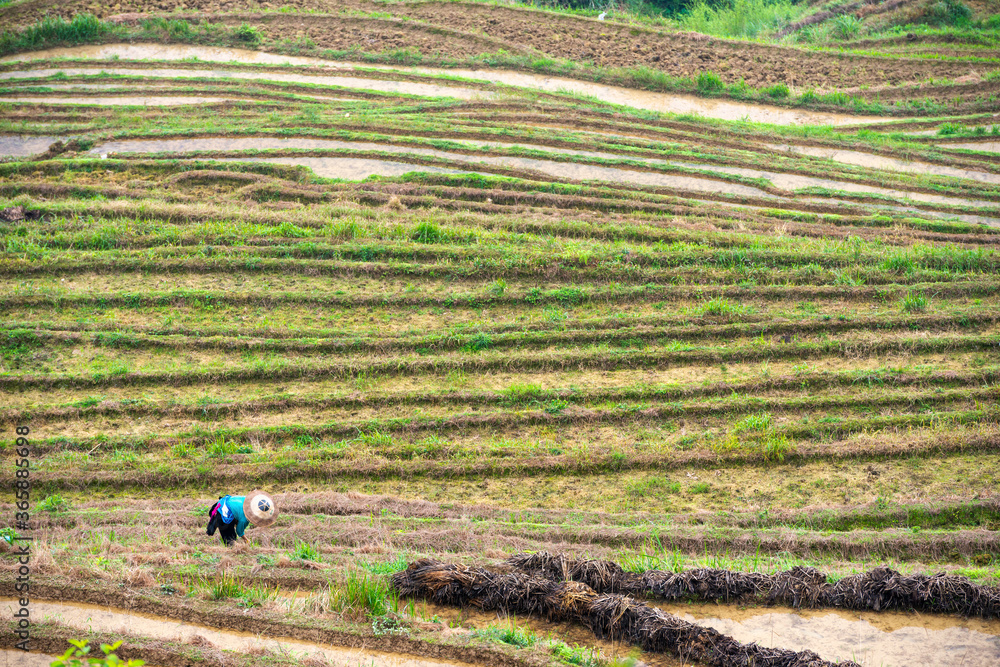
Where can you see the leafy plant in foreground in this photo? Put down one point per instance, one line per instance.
(78, 655)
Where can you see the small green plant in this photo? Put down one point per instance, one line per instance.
(508, 633)
(947, 129)
(369, 593)
(774, 447)
(709, 83)
(226, 586)
(427, 232)
(479, 342)
(756, 422)
(54, 503)
(948, 12)
(304, 551)
(914, 303)
(388, 625)
(7, 534)
(221, 448)
(846, 26)
(701, 487)
(497, 288)
(398, 564)
(247, 34)
(78, 655)
(720, 306)
(182, 450)
(778, 91)
(651, 486)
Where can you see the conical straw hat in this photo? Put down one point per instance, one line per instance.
(259, 508)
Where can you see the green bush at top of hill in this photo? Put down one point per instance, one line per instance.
(740, 18)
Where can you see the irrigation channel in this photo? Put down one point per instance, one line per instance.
(591, 304)
(126, 623)
(742, 636)
(637, 99)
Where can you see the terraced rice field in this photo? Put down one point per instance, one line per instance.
(463, 308)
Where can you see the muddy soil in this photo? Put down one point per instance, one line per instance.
(872, 639)
(15, 658)
(93, 617)
(881, 162)
(637, 99)
(460, 30)
(154, 101)
(23, 146)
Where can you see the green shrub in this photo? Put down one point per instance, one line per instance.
(721, 306)
(479, 342)
(247, 34)
(427, 232)
(78, 655)
(508, 633)
(226, 586)
(948, 12)
(914, 303)
(54, 503)
(774, 447)
(808, 97)
(846, 26)
(652, 485)
(947, 129)
(739, 90)
(709, 82)
(50, 31)
(756, 422)
(738, 18)
(221, 448)
(779, 91)
(369, 593)
(303, 551)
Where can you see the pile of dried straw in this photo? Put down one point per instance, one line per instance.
(610, 616)
(877, 590)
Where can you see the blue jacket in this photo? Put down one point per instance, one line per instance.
(235, 506)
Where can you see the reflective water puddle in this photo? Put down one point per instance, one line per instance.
(638, 99)
(179, 100)
(881, 162)
(22, 146)
(984, 146)
(402, 87)
(885, 639)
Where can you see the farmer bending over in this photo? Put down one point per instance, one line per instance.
(232, 514)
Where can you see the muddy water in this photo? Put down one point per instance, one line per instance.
(349, 168)
(882, 162)
(403, 87)
(570, 633)
(123, 86)
(884, 639)
(639, 99)
(331, 167)
(92, 617)
(984, 146)
(20, 146)
(556, 169)
(120, 101)
(794, 182)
